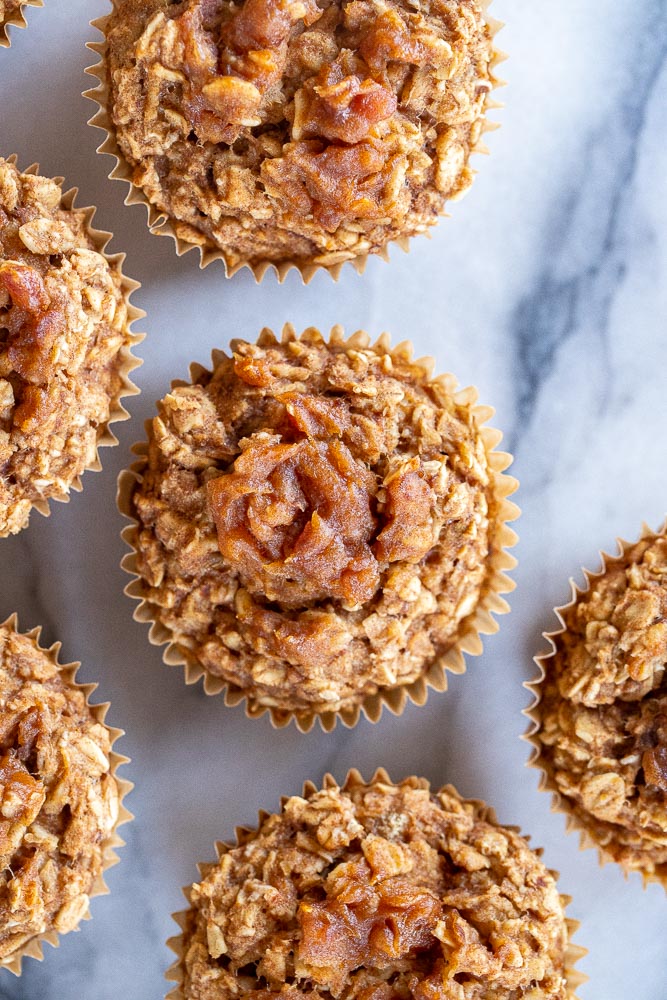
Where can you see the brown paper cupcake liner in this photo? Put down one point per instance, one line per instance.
(559, 804)
(128, 361)
(480, 622)
(354, 779)
(160, 224)
(34, 947)
(16, 21)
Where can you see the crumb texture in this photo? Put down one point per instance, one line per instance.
(310, 131)
(314, 520)
(63, 340)
(604, 708)
(59, 803)
(377, 892)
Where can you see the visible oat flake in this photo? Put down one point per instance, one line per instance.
(59, 801)
(383, 910)
(337, 125)
(63, 331)
(603, 731)
(308, 543)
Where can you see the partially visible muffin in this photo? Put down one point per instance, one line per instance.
(59, 797)
(64, 344)
(9, 10)
(11, 15)
(316, 521)
(602, 713)
(373, 892)
(302, 131)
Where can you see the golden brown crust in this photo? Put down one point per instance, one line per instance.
(376, 891)
(334, 578)
(59, 800)
(602, 716)
(307, 132)
(64, 340)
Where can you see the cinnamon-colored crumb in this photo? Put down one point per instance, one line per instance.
(377, 892)
(315, 521)
(59, 802)
(63, 340)
(603, 712)
(298, 130)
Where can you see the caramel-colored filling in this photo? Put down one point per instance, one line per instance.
(63, 330)
(376, 892)
(316, 127)
(314, 520)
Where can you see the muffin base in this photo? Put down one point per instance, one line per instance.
(16, 21)
(34, 948)
(128, 361)
(354, 779)
(479, 622)
(559, 804)
(160, 224)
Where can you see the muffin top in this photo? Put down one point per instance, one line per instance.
(315, 519)
(376, 891)
(603, 713)
(310, 131)
(59, 802)
(63, 340)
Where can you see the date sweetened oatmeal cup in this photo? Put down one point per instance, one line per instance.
(12, 15)
(65, 344)
(376, 891)
(60, 797)
(600, 718)
(294, 132)
(319, 527)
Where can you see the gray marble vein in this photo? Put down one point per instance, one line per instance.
(586, 243)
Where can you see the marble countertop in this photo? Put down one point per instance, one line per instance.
(547, 288)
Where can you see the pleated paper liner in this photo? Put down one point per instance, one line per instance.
(560, 804)
(161, 224)
(16, 21)
(479, 622)
(34, 947)
(127, 360)
(574, 953)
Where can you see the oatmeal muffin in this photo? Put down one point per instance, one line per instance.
(59, 797)
(318, 524)
(11, 14)
(64, 344)
(306, 132)
(601, 714)
(376, 891)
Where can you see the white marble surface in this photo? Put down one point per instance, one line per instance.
(546, 288)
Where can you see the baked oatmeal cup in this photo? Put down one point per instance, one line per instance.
(319, 527)
(298, 133)
(599, 726)
(65, 343)
(12, 15)
(376, 890)
(60, 797)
